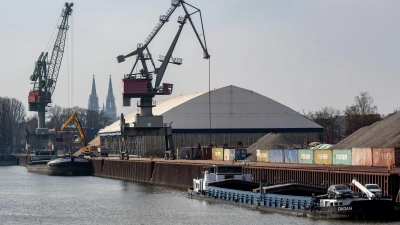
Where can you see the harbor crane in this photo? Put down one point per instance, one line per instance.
(44, 79)
(140, 84)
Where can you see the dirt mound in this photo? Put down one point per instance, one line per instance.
(384, 134)
(271, 141)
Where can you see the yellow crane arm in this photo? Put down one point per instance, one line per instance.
(78, 125)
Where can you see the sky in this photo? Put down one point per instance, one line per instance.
(306, 54)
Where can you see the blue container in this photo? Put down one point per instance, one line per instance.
(276, 156)
(291, 156)
(240, 153)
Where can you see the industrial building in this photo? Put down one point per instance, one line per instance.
(223, 116)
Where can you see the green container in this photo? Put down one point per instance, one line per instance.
(218, 154)
(341, 157)
(306, 156)
(262, 155)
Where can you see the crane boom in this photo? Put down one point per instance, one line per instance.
(165, 63)
(203, 45)
(74, 116)
(369, 194)
(58, 50)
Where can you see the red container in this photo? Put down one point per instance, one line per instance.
(383, 156)
(206, 153)
(397, 156)
(134, 86)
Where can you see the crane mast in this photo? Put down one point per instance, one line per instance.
(140, 84)
(44, 77)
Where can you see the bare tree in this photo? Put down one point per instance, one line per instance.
(12, 121)
(362, 113)
(329, 119)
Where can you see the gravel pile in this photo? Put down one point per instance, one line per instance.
(384, 134)
(271, 141)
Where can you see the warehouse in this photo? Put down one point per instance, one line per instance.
(224, 116)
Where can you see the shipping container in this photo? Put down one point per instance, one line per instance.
(341, 157)
(218, 154)
(276, 156)
(397, 156)
(291, 156)
(305, 156)
(262, 155)
(229, 154)
(240, 153)
(188, 153)
(183, 152)
(383, 156)
(206, 153)
(361, 156)
(323, 157)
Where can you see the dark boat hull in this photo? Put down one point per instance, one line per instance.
(62, 167)
(361, 210)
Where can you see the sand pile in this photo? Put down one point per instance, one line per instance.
(384, 134)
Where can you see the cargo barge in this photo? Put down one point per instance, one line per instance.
(8, 160)
(226, 183)
(61, 167)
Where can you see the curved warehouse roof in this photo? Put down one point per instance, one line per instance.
(233, 110)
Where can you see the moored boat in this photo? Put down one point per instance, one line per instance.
(8, 160)
(68, 166)
(226, 183)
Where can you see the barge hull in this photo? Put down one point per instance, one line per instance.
(360, 210)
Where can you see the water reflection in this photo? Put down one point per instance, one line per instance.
(27, 198)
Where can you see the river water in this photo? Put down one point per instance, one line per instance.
(29, 198)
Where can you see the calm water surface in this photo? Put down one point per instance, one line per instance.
(28, 198)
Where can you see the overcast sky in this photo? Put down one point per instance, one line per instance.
(304, 54)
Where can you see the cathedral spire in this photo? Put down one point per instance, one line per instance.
(93, 98)
(111, 110)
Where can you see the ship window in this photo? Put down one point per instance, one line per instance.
(340, 203)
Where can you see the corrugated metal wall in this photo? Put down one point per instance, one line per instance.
(361, 156)
(323, 157)
(306, 156)
(383, 156)
(123, 170)
(341, 157)
(182, 175)
(176, 174)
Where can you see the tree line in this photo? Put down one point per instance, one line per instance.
(14, 121)
(338, 124)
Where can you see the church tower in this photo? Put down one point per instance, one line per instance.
(110, 109)
(93, 99)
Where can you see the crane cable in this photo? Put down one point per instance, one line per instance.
(72, 61)
(209, 93)
(51, 37)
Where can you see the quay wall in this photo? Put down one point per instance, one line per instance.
(180, 174)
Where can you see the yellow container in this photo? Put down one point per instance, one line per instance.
(218, 154)
(323, 157)
(262, 155)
